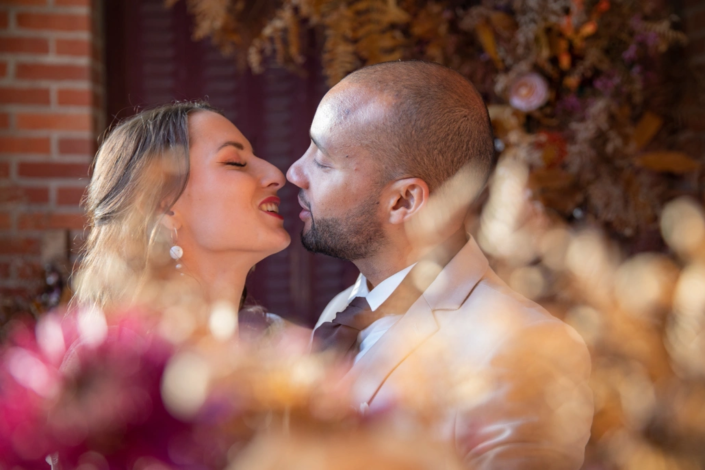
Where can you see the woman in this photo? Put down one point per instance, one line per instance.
(180, 210)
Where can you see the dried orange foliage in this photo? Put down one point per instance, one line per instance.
(605, 127)
(356, 32)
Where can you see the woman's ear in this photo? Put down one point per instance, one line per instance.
(170, 220)
(406, 197)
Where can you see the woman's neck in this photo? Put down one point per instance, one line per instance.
(221, 277)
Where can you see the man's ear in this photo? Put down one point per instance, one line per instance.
(406, 197)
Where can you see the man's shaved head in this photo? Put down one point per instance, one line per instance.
(417, 119)
(382, 141)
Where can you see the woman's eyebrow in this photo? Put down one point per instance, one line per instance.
(237, 145)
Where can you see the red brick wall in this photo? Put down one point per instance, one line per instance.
(50, 114)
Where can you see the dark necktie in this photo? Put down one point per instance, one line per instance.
(341, 333)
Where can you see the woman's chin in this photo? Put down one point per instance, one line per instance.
(285, 242)
(278, 242)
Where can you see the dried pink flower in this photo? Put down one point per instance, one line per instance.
(529, 92)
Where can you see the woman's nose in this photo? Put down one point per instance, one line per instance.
(273, 177)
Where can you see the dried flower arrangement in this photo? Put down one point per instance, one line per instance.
(594, 88)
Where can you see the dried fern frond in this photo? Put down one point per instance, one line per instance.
(430, 28)
(665, 32)
(209, 16)
(339, 53)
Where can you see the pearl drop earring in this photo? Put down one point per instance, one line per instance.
(176, 252)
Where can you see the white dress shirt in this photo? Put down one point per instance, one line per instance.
(376, 297)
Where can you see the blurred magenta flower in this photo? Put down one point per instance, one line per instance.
(85, 389)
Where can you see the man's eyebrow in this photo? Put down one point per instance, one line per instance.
(325, 152)
(237, 145)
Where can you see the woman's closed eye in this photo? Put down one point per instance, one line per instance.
(237, 164)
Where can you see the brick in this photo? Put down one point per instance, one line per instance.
(53, 170)
(21, 293)
(12, 95)
(23, 195)
(3, 68)
(96, 75)
(76, 146)
(28, 271)
(4, 121)
(54, 21)
(19, 246)
(24, 2)
(10, 144)
(98, 100)
(74, 47)
(24, 45)
(4, 170)
(43, 221)
(69, 196)
(97, 52)
(4, 270)
(53, 72)
(77, 3)
(66, 122)
(75, 97)
(5, 221)
(4, 20)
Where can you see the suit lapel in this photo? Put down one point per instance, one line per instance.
(336, 305)
(370, 372)
(447, 290)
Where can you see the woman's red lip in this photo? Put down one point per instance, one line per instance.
(274, 214)
(273, 199)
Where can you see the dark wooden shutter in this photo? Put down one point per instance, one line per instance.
(151, 60)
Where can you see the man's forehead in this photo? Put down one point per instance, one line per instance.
(348, 111)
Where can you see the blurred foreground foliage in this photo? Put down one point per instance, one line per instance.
(176, 387)
(136, 390)
(642, 317)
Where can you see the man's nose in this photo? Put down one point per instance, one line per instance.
(295, 174)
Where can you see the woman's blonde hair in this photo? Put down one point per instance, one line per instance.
(139, 172)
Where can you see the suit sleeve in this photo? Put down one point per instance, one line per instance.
(538, 407)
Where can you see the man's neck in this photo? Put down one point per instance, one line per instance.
(394, 258)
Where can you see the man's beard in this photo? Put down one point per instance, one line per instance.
(356, 236)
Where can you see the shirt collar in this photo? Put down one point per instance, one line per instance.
(381, 293)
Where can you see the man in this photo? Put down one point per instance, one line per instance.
(398, 152)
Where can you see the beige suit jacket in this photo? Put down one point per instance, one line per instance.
(509, 380)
